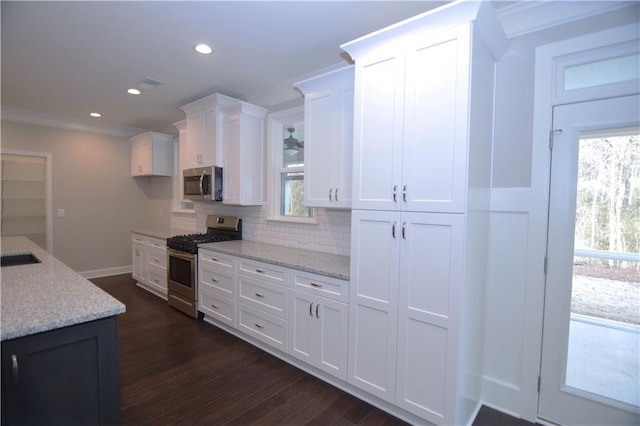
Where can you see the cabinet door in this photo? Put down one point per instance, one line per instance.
(378, 127)
(193, 150)
(302, 327)
(243, 146)
(373, 301)
(65, 376)
(209, 142)
(435, 123)
(331, 319)
(319, 332)
(431, 272)
(139, 259)
(141, 158)
(322, 138)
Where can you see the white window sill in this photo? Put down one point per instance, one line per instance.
(298, 220)
(183, 211)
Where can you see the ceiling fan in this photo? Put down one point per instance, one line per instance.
(291, 144)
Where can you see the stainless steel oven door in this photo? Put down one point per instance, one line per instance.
(181, 273)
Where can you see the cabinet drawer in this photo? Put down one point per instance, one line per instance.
(139, 238)
(218, 280)
(157, 242)
(157, 256)
(262, 326)
(263, 296)
(263, 271)
(215, 306)
(212, 258)
(158, 278)
(321, 285)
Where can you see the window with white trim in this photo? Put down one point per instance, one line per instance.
(286, 167)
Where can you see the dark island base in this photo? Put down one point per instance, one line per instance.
(65, 376)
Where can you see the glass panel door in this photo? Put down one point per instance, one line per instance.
(590, 359)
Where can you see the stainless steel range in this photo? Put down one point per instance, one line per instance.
(182, 261)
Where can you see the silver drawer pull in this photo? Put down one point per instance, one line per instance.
(260, 271)
(214, 259)
(156, 281)
(258, 325)
(259, 295)
(214, 280)
(310, 307)
(317, 316)
(214, 306)
(316, 285)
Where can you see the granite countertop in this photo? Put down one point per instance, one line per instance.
(162, 233)
(48, 295)
(329, 265)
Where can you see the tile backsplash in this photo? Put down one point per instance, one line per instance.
(331, 234)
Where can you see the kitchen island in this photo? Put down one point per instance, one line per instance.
(59, 342)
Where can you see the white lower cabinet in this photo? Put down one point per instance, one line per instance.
(139, 258)
(407, 270)
(298, 313)
(216, 286)
(318, 333)
(263, 302)
(149, 263)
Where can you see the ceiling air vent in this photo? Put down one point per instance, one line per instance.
(148, 84)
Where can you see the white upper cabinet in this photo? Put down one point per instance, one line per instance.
(151, 154)
(204, 122)
(328, 117)
(243, 154)
(411, 115)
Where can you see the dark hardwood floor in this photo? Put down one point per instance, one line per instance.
(175, 370)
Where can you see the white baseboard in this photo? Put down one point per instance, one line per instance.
(97, 273)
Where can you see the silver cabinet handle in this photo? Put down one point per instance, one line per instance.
(337, 194)
(214, 306)
(215, 259)
(330, 194)
(404, 228)
(214, 280)
(316, 285)
(258, 325)
(395, 193)
(14, 368)
(393, 230)
(260, 271)
(317, 316)
(310, 308)
(259, 295)
(404, 193)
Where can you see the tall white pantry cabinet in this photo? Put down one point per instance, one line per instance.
(423, 130)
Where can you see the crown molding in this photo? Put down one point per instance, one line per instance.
(525, 17)
(44, 119)
(286, 91)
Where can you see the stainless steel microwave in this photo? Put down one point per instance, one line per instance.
(202, 183)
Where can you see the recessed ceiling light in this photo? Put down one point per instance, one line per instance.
(133, 91)
(96, 114)
(204, 49)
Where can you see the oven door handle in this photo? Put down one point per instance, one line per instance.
(180, 255)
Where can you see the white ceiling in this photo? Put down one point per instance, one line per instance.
(62, 60)
(72, 58)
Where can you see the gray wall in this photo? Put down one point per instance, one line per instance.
(92, 183)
